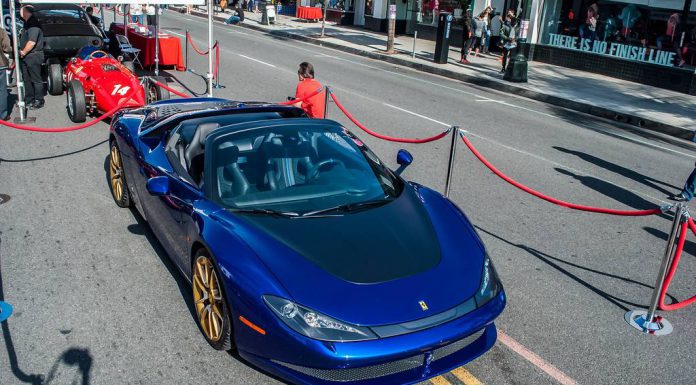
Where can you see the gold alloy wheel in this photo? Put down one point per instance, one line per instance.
(116, 173)
(207, 297)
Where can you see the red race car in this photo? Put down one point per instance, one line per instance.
(96, 82)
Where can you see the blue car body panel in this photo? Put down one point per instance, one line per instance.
(257, 257)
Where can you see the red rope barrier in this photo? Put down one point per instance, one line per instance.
(673, 269)
(385, 137)
(294, 101)
(166, 87)
(193, 45)
(73, 128)
(217, 61)
(559, 202)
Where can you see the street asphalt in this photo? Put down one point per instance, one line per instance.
(97, 302)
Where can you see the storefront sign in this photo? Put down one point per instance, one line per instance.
(622, 51)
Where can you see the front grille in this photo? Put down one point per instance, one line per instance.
(362, 373)
(386, 369)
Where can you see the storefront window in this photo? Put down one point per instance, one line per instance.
(647, 31)
(430, 9)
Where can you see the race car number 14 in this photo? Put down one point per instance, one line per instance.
(118, 89)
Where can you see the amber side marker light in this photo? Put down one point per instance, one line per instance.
(251, 325)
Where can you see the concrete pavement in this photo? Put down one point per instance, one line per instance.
(667, 112)
(96, 298)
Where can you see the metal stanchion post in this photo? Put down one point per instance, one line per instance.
(327, 99)
(217, 84)
(450, 164)
(157, 47)
(18, 68)
(415, 37)
(647, 321)
(186, 50)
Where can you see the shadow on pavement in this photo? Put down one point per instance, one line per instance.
(628, 173)
(689, 246)
(612, 191)
(54, 156)
(557, 262)
(79, 358)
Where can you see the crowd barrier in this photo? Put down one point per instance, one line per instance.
(646, 321)
(215, 48)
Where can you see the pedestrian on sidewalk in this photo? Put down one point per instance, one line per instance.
(486, 39)
(687, 193)
(238, 15)
(479, 30)
(315, 105)
(508, 39)
(495, 26)
(6, 47)
(468, 37)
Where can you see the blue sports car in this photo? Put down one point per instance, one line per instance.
(305, 252)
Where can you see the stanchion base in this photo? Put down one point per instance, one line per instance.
(218, 86)
(658, 327)
(25, 121)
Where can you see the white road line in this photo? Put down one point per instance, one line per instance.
(535, 156)
(418, 115)
(173, 33)
(484, 100)
(535, 360)
(257, 60)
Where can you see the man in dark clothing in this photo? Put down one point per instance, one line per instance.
(95, 20)
(31, 41)
(238, 17)
(6, 47)
(468, 38)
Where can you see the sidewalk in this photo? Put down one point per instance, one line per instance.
(653, 108)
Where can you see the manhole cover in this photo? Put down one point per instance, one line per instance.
(4, 198)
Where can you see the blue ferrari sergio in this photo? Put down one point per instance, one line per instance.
(305, 252)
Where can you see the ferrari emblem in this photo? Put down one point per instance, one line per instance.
(423, 305)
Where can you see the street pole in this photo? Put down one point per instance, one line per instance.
(157, 47)
(323, 20)
(209, 75)
(2, 25)
(18, 71)
(392, 28)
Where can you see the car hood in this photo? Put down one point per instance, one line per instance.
(378, 266)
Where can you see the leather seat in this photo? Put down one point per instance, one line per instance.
(230, 178)
(195, 151)
(288, 161)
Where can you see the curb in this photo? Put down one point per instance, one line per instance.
(606, 113)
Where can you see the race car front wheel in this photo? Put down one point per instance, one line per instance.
(155, 92)
(77, 109)
(55, 79)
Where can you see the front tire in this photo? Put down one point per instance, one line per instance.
(117, 178)
(210, 302)
(55, 79)
(77, 109)
(155, 92)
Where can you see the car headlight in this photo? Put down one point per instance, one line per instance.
(315, 325)
(490, 284)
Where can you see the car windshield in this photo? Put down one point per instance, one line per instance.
(297, 169)
(61, 16)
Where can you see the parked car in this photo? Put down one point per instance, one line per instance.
(306, 253)
(97, 82)
(67, 28)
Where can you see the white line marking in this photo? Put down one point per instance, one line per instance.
(418, 115)
(174, 33)
(484, 100)
(256, 60)
(535, 360)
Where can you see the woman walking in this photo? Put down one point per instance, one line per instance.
(508, 39)
(468, 37)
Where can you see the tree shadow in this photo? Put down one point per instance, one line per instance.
(54, 156)
(610, 190)
(628, 173)
(557, 262)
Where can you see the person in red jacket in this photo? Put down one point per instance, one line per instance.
(313, 106)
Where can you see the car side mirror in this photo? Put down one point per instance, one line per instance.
(404, 158)
(158, 186)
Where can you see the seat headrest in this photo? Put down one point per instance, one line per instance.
(204, 130)
(229, 154)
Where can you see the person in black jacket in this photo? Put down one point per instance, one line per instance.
(31, 53)
(468, 38)
(238, 17)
